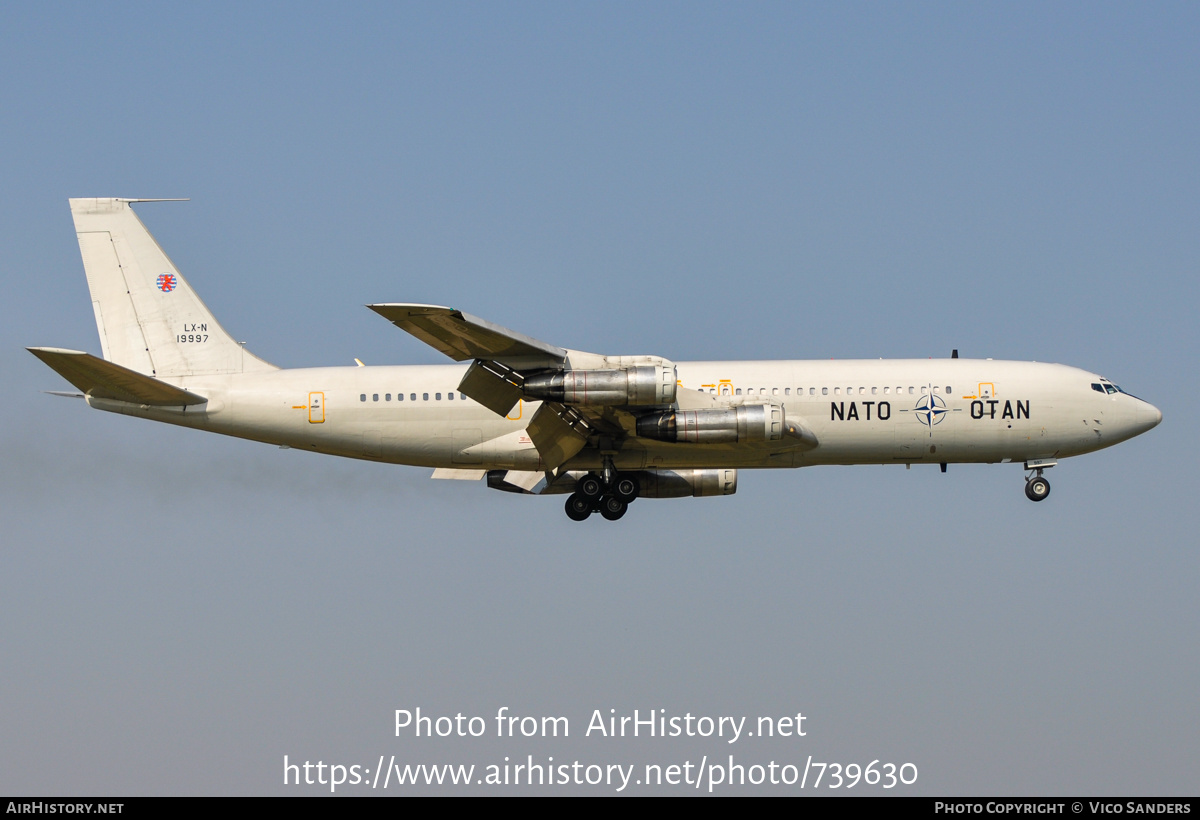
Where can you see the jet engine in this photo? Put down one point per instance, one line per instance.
(633, 386)
(755, 422)
(684, 483)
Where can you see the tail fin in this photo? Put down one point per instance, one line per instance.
(150, 320)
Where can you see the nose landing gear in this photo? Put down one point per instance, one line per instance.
(610, 498)
(1036, 486)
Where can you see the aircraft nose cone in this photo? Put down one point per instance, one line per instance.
(1148, 416)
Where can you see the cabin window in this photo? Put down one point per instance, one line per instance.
(424, 397)
(911, 390)
(374, 397)
(787, 391)
(399, 397)
(462, 396)
(363, 396)
(824, 391)
(948, 390)
(837, 391)
(739, 391)
(412, 396)
(450, 396)
(812, 391)
(437, 396)
(387, 396)
(874, 390)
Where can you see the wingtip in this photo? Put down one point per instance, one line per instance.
(56, 351)
(393, 311)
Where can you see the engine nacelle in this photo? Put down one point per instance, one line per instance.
(754, 422)
(685, 483)
(633, 386)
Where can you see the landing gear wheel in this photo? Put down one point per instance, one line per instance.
(590, 487)
(578, 507)
(1037, 488)
(626, 488)
(612, 507)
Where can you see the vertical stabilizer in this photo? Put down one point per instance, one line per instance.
(150, 320)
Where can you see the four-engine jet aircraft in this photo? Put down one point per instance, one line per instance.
(536, 418)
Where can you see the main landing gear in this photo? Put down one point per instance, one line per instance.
(1036, 486)
(609, 498)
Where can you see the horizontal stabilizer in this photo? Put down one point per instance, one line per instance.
(462, 336)
(105, 380)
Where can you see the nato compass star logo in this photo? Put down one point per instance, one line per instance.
(931, 410)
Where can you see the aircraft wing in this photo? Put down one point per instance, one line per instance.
(501, 356)
(584, 397)
(462, 336)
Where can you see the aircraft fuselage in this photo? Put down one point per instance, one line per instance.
(861, 412)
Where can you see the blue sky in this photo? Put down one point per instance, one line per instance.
(698, 181)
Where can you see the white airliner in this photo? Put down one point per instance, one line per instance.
(535, 418)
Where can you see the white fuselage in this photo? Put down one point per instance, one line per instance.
(861, 412)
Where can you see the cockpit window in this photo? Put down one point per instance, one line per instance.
(1105, 386)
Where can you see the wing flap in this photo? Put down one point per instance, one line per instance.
(106, 380)
(558, 433)
(457, 474)
(527, 480)
(493, 385)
